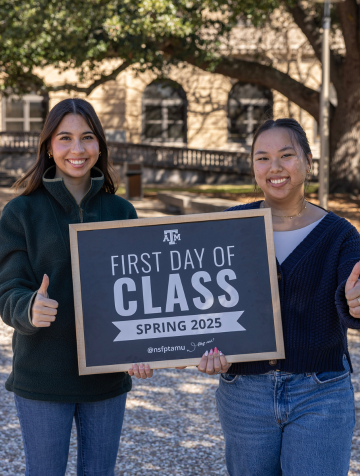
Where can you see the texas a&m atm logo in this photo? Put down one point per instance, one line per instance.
(171, 236)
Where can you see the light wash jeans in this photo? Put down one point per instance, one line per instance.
(282, 424)
(46, 429)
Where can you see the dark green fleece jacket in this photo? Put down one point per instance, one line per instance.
(34, 240)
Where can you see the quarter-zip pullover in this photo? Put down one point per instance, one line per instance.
(315, 314)
(34, 240)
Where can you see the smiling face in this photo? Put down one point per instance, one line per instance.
(75, 148)
(280, 165)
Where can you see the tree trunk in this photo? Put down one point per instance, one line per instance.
(345, 137)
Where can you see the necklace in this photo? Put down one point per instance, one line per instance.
(286, 216)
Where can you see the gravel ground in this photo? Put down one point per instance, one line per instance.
(171, 426)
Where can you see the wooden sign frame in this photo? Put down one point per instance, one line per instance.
(238, 214)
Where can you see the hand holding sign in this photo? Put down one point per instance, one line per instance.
(44, 309)
(213, 363)
(352, 291)
(140, 371)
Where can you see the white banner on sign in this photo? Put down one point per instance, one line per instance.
(214, 323)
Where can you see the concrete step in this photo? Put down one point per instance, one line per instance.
(149, 208)
(6, 180)
(210, 205)
(177, 202)
(187, 203)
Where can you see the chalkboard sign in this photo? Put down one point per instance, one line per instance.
(164, 290)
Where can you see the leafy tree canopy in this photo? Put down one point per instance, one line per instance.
(82, 33)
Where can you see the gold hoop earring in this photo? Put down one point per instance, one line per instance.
(99, 153)
(50, 155)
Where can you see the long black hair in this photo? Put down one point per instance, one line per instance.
(33, 177)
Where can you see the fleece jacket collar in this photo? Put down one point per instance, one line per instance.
(57, 188)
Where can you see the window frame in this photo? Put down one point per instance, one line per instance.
(249, 122)
(26, 120)
(164, 121)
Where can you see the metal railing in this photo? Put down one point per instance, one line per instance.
(153, 156)
(19, 142)
(163, 157)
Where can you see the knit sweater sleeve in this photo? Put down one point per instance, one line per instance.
(17, 280)
(349, 256)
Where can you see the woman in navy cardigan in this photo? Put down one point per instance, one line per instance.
(296, 416)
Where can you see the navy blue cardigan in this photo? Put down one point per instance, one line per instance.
(314, 311)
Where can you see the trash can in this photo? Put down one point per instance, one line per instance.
(133, 181)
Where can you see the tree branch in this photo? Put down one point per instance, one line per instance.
(308, 26)
(89, 89)
(257, 73)
(311, 30)
(348, 14)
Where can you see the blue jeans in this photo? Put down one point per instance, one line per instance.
(287, 424)
(46, 430)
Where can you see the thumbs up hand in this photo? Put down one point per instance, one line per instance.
(352, 291)
(44, 310)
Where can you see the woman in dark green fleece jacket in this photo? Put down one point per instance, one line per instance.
(71, 182)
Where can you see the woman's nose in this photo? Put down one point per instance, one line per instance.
(77, 148)
(275, 166)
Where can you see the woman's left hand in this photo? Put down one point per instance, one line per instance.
(140, 371)
(213, 362)
(352, 291)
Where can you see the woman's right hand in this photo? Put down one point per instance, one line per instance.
(44, 310)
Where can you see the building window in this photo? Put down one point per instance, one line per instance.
(248, 106)
(24, 114)
(164, 112)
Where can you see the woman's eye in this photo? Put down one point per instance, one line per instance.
(65, 138)
(88, 137)
(262, 158)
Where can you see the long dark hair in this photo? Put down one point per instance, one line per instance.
(33, 177)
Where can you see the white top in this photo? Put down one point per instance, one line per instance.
(287, 241)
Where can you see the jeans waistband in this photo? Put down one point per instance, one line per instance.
(281, 372)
